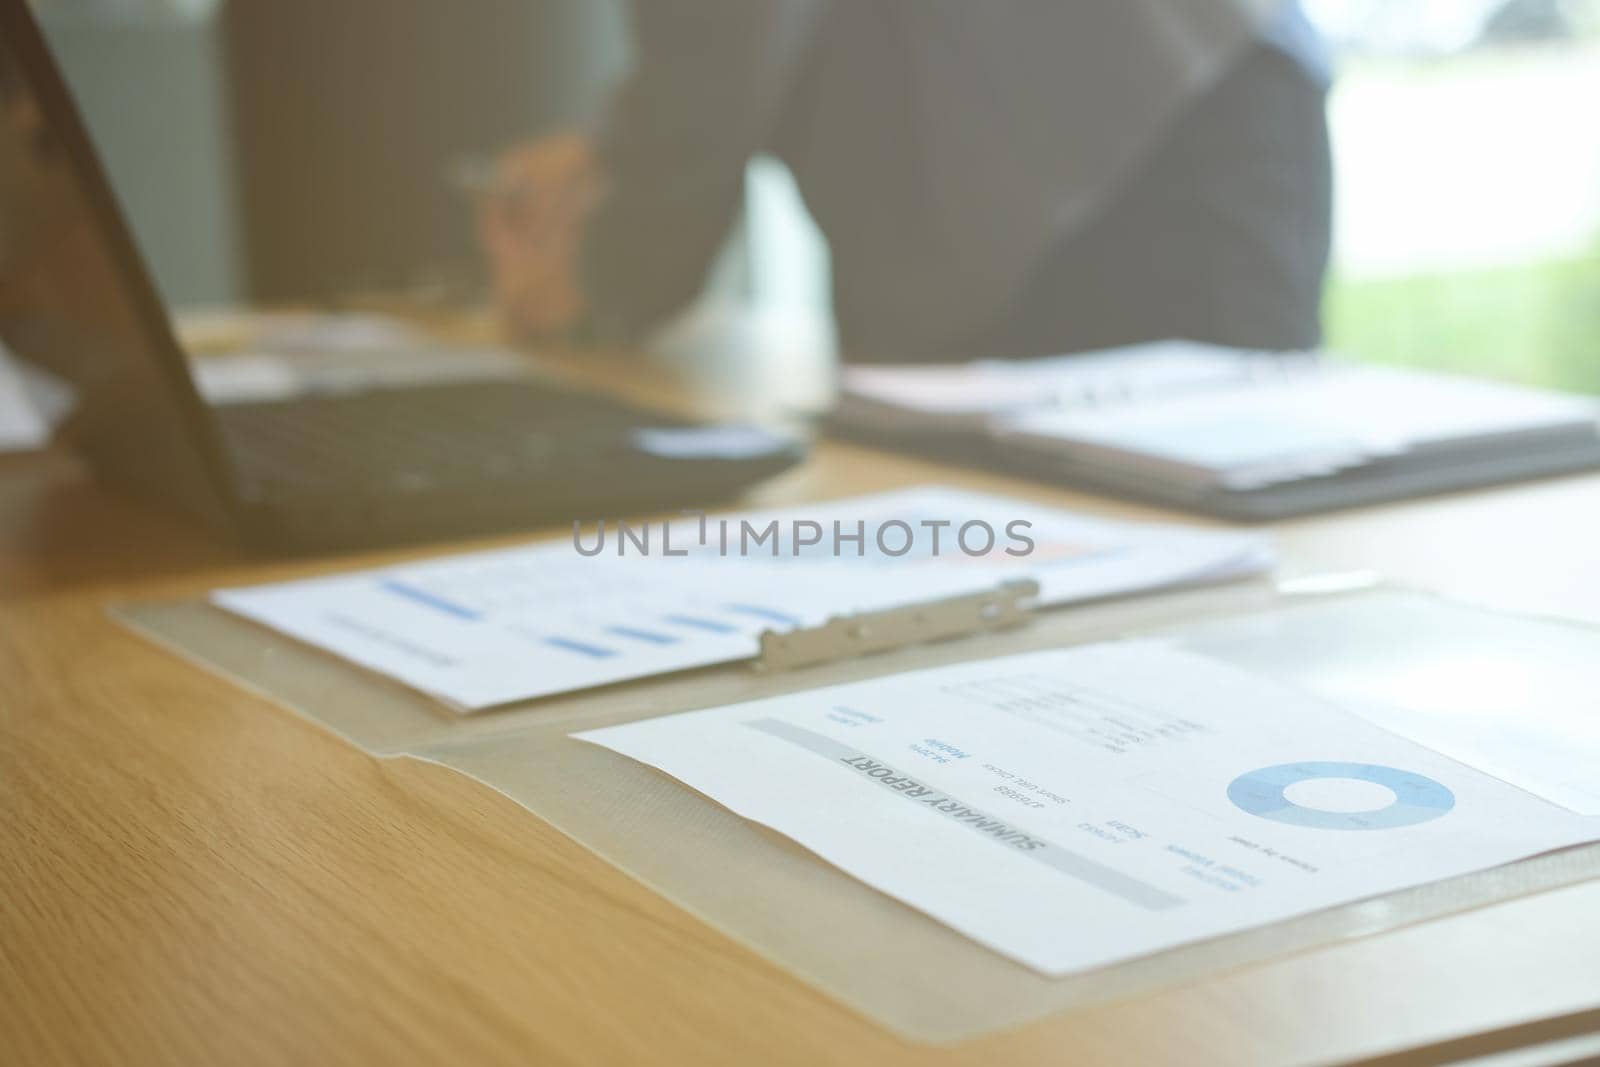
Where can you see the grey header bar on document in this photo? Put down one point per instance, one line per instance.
(1086, 870)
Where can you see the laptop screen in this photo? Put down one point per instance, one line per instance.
(75, 302)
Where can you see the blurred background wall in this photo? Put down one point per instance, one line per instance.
(295, 149)
(1467, 161)
(354, 119)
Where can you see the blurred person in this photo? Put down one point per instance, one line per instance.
(1006, 179)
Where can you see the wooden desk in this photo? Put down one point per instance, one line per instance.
(190, 875)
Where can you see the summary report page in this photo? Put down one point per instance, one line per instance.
(1073, 808)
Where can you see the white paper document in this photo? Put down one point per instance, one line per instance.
(21, 428)
(1311, 421)
(490, 628)
(1191, 417)
(1074, 808)
(1136, 373)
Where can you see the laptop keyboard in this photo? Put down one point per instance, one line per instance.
(417, 438)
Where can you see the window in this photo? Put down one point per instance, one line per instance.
(1468, 175)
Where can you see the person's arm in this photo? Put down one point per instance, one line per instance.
(709, 80)
(531, 221)
(620, 229)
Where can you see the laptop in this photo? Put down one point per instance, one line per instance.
(380, 465)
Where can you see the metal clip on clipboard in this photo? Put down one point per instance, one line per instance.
(1008, 605)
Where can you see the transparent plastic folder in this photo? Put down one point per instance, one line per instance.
(877, 956)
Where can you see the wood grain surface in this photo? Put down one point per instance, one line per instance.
(191, 875)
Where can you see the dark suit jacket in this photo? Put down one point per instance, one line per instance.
(943, 146)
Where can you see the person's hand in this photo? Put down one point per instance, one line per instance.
(530, 223)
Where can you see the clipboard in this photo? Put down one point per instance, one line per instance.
(881, 958)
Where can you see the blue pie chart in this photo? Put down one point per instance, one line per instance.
(1417, 798)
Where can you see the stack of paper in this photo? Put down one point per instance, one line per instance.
(490, 628)
(938, 397)
(1191, 418)
(243, 357)
(1301, 426)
